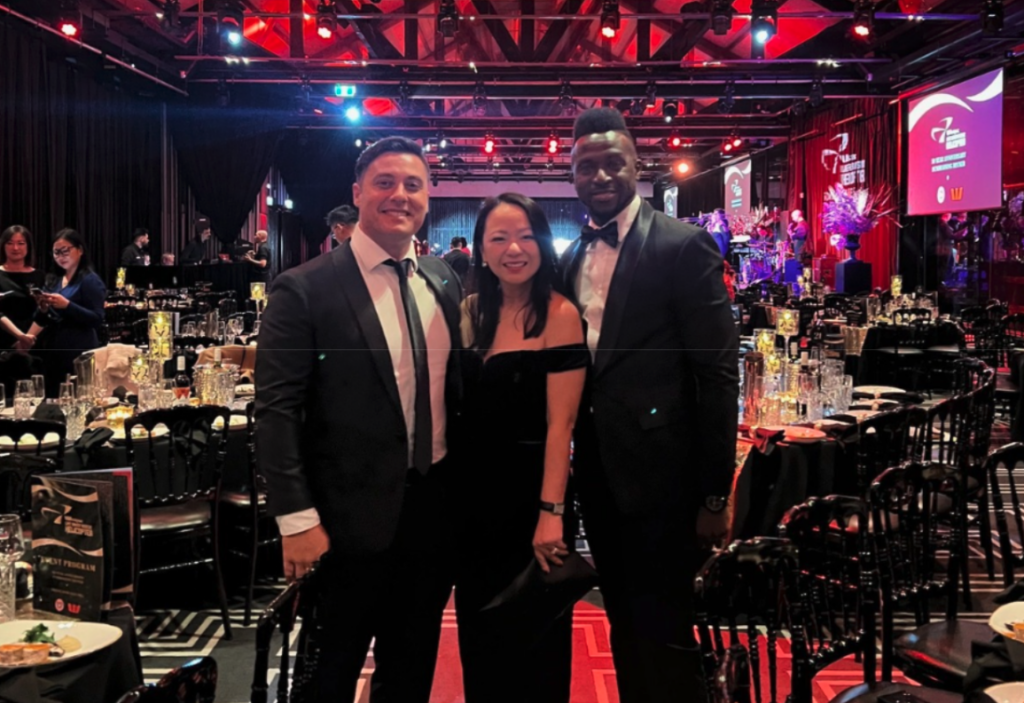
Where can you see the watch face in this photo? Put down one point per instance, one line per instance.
(714, 503)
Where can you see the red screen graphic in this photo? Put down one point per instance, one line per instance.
(737, 189)
(954, 148)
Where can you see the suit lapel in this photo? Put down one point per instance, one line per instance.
(441, 289)
(618, 291)
(352, 284)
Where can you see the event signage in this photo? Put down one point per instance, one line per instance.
(845, 165)
(737, 189)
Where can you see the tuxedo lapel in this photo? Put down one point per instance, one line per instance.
(351, 279)
(442, 290)
(618, 291)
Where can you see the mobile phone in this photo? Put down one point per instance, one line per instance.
(34, 291)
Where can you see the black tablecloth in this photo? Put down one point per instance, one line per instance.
(100, 677)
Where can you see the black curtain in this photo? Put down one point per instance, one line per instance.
(225, 155)
(317, 167)
(73, 153)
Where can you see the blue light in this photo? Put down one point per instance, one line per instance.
(234, 37)
(761, 36)
(352, 114)
(344, 91)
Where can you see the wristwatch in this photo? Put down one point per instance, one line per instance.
(553, 508)
(715, 504)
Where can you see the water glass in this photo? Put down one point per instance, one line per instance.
(190, 329)
(12, 548)
(149, 398)
(39, 388)
(75, 414)
(23, 399)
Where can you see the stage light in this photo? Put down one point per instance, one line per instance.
(326, 19)
(69, 19)
(652, 95)
(344, 91)
(552, 147)
(727, 147)
(68, 28)
(170, 17)
(817, 95)
(480, 99)
(447, 19)
(270, 201)
(353, 113)
(288, 204)
(610, 19)
(728, 101)
(674, 142)
(681, 168)
(442, 141)
(721, 17)
(637, 108)
(863, 19)
(992, 17)
(230, 21)
(358, 143)
(565, 99)
(670, 110)
(764, 20)
(489, 144)
(737, 142)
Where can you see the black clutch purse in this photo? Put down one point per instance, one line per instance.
(535, 600)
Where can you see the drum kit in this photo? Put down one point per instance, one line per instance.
(760, 257)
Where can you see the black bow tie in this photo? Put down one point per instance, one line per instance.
(609, 234)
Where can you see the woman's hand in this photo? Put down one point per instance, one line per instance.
(56, 300)
(548, 546)
(24, 342)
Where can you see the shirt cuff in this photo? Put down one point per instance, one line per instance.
(294, 523)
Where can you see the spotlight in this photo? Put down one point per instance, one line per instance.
(670, 110)
(326, 19)
(764, 20)
(442, 141)
(674, 141)
(681, 168)
(992, 17)
(652, 95)
(552, 147)
(737, 142)
(565, 99)
(480, 99)
(637, 108)
(728, 101)
(69, 19)
(405, 101)
(721, 17)
(230, 21)
(447, 19)
(727, 147)
(359, 143)
(610, 19)
(434, 180)
(170, 20)
(863, 19)
(288, 204)
(489, 144)
(817, 95)
(353, 113)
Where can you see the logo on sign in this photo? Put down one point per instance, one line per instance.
(956, 193)
(59, 605)
(940, 196)
(946, 134)
(840, 162)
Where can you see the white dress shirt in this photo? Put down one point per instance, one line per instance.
(596, 271)
(382, 282)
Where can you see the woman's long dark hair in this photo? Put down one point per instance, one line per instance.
(487, 310)
(84, 264)
(6, 237)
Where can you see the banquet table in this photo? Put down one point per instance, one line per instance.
(100, 677)
(223, 276)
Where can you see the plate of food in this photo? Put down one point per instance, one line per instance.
(138, 433)
(1006, 692)
(29, 442)
(237, 422)
(1008, 620)
(804, 435)
(877, 391)
(39, 642)
(245, 389)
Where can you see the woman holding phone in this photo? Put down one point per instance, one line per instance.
(70, 309)
(17, 279)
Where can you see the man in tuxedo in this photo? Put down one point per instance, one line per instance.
(357, 382)
(656, 438)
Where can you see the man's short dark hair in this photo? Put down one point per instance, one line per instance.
(139, 232)
(344, 215)
(388, 145)
(598, 120)
(458, 242)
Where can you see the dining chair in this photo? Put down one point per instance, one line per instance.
(40, 437)
(178, 486)
(192, 682)
(1006, 480)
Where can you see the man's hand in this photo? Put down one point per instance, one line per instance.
(303, 550)
(547, 541)
(713, 529)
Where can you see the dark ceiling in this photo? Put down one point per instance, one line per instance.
(521, 70)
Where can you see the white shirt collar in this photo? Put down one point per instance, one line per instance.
(626, 217)
(369, 255)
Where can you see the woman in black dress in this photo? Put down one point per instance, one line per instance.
(525, 369)
(17, 278)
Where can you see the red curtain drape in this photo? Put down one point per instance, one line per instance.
(853, 143)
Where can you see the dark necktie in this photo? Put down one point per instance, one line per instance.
(423, 432)
(609, 234)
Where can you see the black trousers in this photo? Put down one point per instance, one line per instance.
(397, 597)
(647, 564)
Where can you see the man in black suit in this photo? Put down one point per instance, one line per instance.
(135, 253)
(656, 439)
(457, 258)
(357, 380)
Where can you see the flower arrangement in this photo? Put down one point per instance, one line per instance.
(850, 213)
(1009, 222)
(759, 221)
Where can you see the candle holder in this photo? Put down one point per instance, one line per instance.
(808, 274)
(161, 339)
(787, 324)
(121, 273)
(258, 294)
(896, 286)
(140, 368)
(764, 341)
(117, 415)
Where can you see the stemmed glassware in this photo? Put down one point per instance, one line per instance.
(12, 548)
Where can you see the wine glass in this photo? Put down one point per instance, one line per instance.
(38, 388)
(23, 394)
(12, 548)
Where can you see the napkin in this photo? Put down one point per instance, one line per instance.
(89, 443)
(49, 411)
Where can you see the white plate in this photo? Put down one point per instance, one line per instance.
(29, 443)
(877, 391)
(1003, 616)
(139, 433)
(804, 435)
(245, 389)
(7, 412)
(827, 424)
(860, 415)
(94, 636)
(1006, 692)
(236, 422)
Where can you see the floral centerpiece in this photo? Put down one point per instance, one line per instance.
(758, 223)
(1009, 223)
(850, 213)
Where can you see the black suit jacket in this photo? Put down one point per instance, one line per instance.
(330, 428)
(658, 421)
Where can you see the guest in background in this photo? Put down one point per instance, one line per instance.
(524, 372)
(342, 220)
(135, 253)
(17, 280)
(70, 309)
(167, 259)
(195, 251)
(457, 257)
(718, 226)
(259, 257)
(944, 247)
(798, 231)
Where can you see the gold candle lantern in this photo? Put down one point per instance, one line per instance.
(896, 286)
(772, 364)
(787, 323)
(764, 341)
(161, 335)
(807, 274)
(140, 368)
(117, 415)
(258, 291)
(121, 273)
(130, 288)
